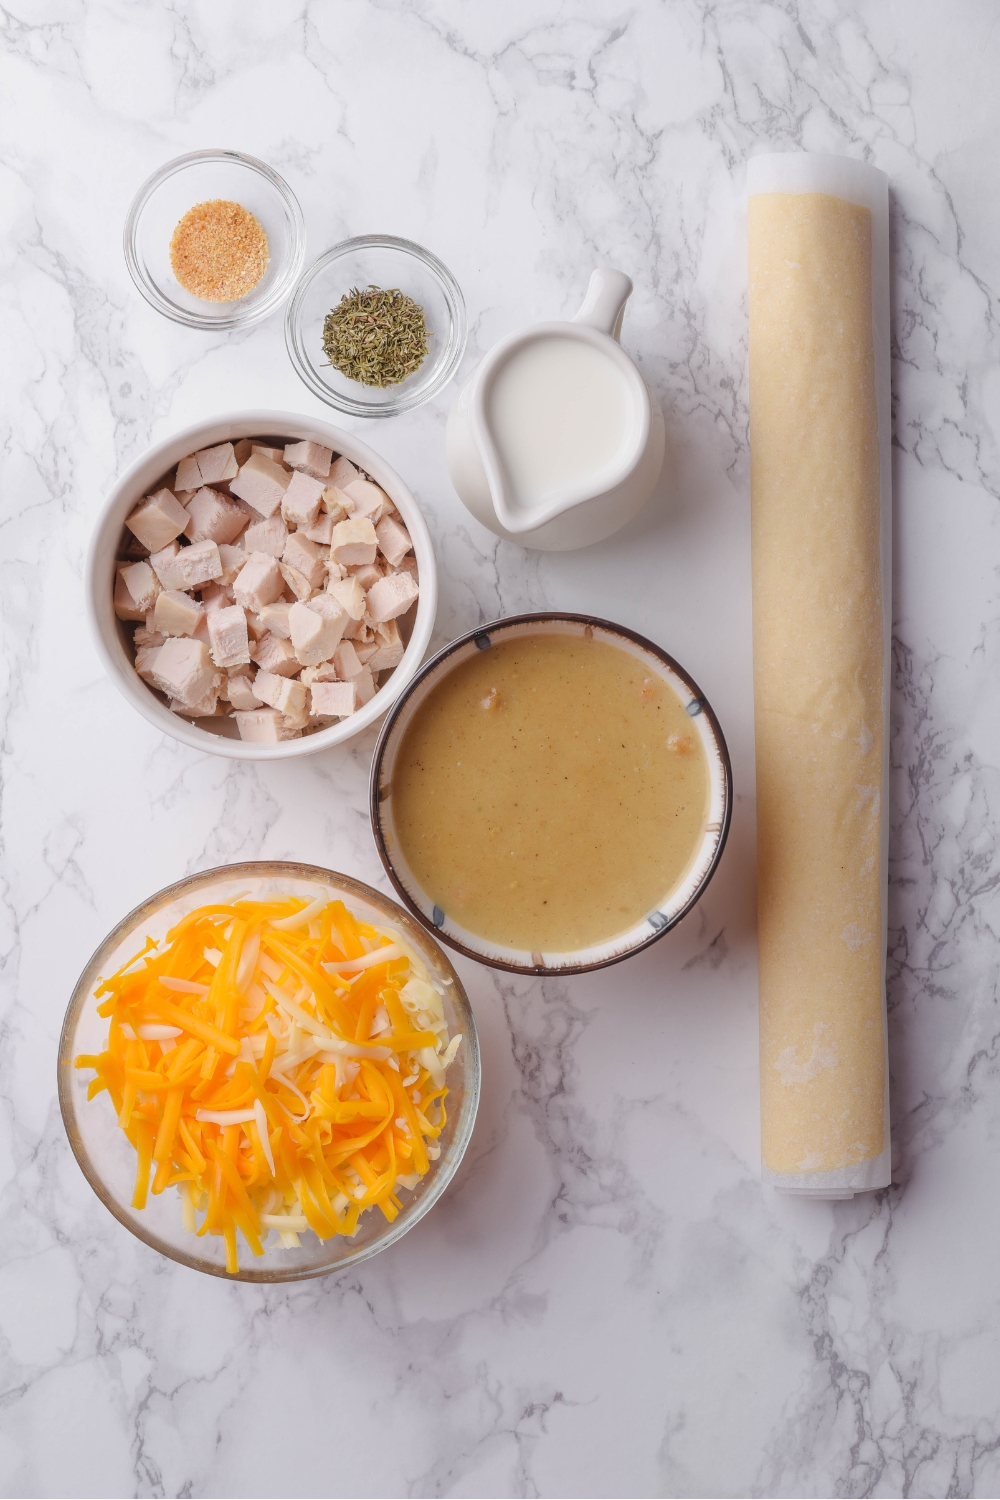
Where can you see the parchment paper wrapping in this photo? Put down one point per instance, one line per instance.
(818, 233)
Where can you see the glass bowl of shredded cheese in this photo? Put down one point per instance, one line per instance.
(269, 1072)
(215, 239)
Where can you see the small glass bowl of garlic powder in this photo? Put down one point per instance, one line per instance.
(198, 181)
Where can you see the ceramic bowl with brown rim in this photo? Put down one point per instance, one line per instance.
(674, 902)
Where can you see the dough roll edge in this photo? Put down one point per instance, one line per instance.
(819, 512)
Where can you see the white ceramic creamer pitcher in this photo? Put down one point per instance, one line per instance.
(555, 442)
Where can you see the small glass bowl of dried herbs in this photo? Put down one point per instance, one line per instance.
(376, 326)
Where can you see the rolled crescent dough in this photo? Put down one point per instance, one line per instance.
(819, 622)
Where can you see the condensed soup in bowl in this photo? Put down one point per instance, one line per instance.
(551, 792)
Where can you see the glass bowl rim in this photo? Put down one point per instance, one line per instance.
(495, 627)
(284, 283)
(450, 362)
(83, 991)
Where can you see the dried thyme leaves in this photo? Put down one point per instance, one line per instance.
(375, 337)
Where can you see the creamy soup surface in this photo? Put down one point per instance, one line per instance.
(550, 792)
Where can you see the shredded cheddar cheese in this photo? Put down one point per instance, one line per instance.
(281, 1063)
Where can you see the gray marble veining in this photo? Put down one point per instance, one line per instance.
(605, 1303)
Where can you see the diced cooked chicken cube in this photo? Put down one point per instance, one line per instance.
(274, 617)
(272, 654)
(184, 670)
(145, 658)
(316, 629)
(267, 536)
(263, 726)
(258, 582)
(199, 564)
(325, 672)
(187, 567)
(354, 542)
(227, 636)
(205, 707)
(214, 517)
(321, 531)
(388, 652)
(261, 483)
(357, 630)
(239, 691)
(366, 575)
(368, 499)
(188, 476)
(312, 458)
(217, 464)
(232, 559)
(296, 582)
(176, 613)
(345, 659)
(147, 635)
(408, 565)
(393, 540)
(334, 503)
(161, 562)
(392, 596)
(293, 724)
(306, 557)
(342, 473)
(282, 693)
(333, 700)
(349, 594)
(276, 455)
(142, 584)
(158, 520)
(242, 451)
(126, 608)
(364, 684)
(301, 502)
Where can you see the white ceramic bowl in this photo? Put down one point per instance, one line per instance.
(113, 638)
(675, 903)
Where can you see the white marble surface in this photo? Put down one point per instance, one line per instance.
(606, 1302)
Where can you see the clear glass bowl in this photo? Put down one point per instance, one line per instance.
(166, 197)
(376, 260)
(108, 1160)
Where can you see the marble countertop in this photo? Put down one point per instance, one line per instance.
(606, 1302)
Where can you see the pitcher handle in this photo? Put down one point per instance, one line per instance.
(604, 305)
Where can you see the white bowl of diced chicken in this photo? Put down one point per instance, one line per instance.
(261, 585)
